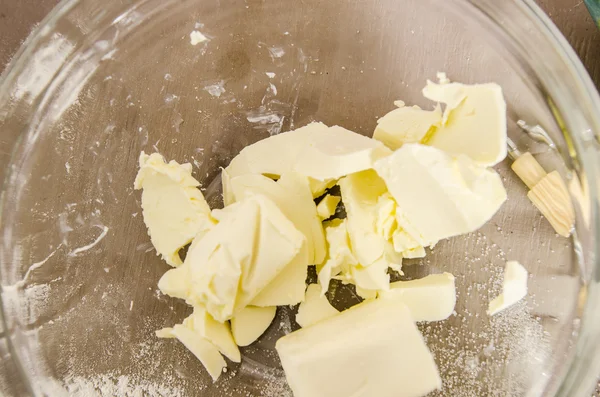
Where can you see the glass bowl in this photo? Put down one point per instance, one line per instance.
(98, 82)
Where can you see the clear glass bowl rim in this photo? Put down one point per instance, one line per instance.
(584, 367)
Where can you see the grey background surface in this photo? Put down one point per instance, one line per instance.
(19, 17)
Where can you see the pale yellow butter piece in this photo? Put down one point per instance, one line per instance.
(474, 121)
(315, 307)
(405, 244)
(318, 187)
(217, 333)
(514, 288)
(206, 352)
(297, 186)
(385, 223)
(388, 227)
(442, 78)
(340, 257)
(366, 294)
(197, 37)
(173, 207)
(203, 324)
(250, 246)
(403, 241)
(360, 194)
(315, 151)
(228, 197)
(207, 339)
(372, 349)
(448, 196)
(326, 207)
(165, 333)
(176, 282)
(373, 277)
(292, 195)
(407, 125)
(418, 252)
(431, 298)
(337, 153)
(288, 287)
(274, 155)
(250, 323)
(342, 263)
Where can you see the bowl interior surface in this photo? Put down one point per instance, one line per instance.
(79, 272)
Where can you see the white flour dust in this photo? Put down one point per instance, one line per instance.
(91, 245)
(118, 386)
(216, 89)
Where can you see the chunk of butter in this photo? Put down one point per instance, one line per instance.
(406, 244)
(250, 323)
(315, 151)
(206, 352)
(360, 193)
(431, 298)
(315, 307)
(219, 334)
(174, 210)
(292, 195)
(176, 282)
(514, 288)
(318, 187)
(371, 349)
(474, 121)
(207, 339)
(343, 265)
(326, 207)
(385, 223)
(287, 288)
(407, 125)
(339, 257)
(234, 261)
(448, 196)
(373, 278)
(228, 197)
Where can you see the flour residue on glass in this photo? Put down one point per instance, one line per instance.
(216, 89)
(479, 355)
(108, 385)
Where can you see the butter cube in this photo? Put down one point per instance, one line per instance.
(207, 339)
(474, 121)
(360, 193)
(250, 323)
(407, 125)
(316, 150)
(327, 206)
(249, 247)
(206, 352)
(291, 193)
(287, 288)
(372, 349)
(315, 307)
(173, 207)
(431, 298)
(448, 196)
(514, 288)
